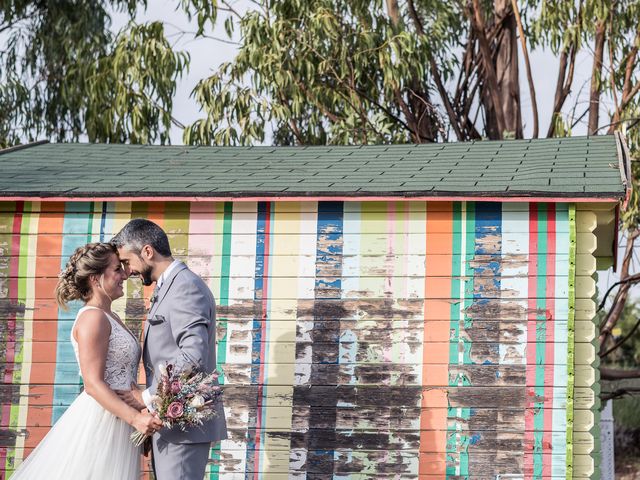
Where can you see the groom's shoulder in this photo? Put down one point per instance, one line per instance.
(187, 276)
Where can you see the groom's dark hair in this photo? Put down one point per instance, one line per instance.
(140, 232)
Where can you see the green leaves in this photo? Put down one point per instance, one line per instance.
(132, 87)
(64, 75)
(313, 72)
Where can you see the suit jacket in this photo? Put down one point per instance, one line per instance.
(181, 330)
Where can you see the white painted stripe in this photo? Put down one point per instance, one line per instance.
(514, 281)
(559, 416)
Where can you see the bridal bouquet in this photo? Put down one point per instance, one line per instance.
(184, 398)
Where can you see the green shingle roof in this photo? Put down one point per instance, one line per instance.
(586, 167)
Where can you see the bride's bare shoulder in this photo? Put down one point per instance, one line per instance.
(92, 324)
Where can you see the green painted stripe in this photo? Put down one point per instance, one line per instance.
(470, 248)
(541, 336)
(457, 443)
(454, 314)
(224, 281)
(571, 338)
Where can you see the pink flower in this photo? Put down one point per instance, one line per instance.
(175, 387)
(175, 410)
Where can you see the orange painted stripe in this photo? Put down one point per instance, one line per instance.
(433, 420)
(47, 309)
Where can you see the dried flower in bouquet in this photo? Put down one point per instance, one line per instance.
(185, 398)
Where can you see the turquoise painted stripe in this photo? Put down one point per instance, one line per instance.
(224, 281)
(457, 270)
(76, 231)
(541, 335)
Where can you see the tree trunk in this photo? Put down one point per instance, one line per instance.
(594, 97)
(500, 88)
(506, 60)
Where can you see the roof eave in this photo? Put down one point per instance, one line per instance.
(248, 196)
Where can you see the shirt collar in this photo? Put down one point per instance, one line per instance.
(166, 273)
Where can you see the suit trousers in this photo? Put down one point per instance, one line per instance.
(179, 461)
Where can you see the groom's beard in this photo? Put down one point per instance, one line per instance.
(145, 276)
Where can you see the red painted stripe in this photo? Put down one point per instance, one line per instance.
(547, 438)
(531, 340)
(10, 340)
(263, 337)
(311, 198)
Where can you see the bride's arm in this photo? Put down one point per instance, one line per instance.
(92, 331)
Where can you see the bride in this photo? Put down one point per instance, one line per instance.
(91, 440)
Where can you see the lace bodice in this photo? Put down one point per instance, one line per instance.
(123, 355)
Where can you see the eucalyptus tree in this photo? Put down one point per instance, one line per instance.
(64, 75)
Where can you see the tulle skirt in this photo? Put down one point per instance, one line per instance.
(87, 442)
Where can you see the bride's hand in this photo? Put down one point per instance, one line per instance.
(146, 423)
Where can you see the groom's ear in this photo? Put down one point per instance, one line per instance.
(147, 252)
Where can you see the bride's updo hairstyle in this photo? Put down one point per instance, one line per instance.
(73, 281)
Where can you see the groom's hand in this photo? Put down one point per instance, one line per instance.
(132, 397)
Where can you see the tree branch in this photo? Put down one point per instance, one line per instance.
(621, 392)
(532, 89)
(632, 279)
(618, 305)
(615, 374)
(477, 22)
(596, 72)
(630, 63)
(620, 342)
(563, 85)
(394, 12)
(435, 73)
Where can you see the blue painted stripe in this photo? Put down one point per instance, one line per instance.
(255, 422)
(76, 231)
(328, 288)
(103, 220)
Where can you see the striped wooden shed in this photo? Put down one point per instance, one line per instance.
(408, 311)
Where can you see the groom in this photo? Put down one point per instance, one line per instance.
(180, 329)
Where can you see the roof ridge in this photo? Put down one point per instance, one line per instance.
(23, 146)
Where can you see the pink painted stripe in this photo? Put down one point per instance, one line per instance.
(312, 198)
(547, 439)
(531, 342)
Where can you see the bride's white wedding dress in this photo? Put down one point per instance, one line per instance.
(88, 442)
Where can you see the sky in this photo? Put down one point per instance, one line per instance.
(208, 53)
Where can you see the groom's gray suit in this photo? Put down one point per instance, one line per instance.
(180, 329)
